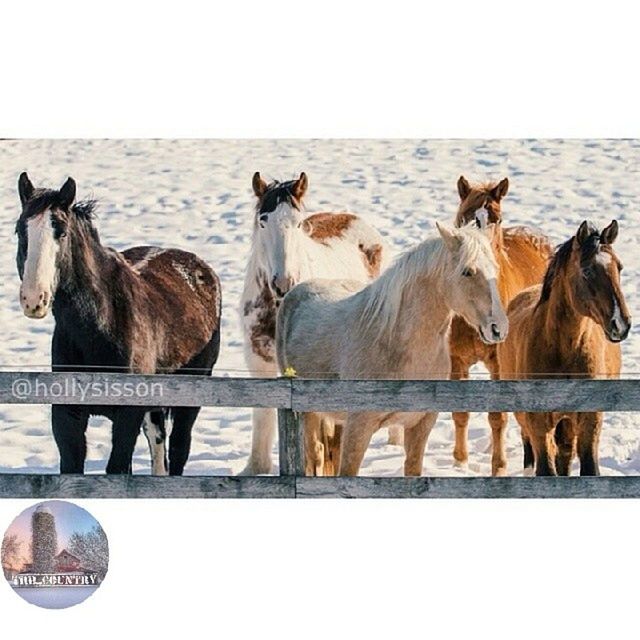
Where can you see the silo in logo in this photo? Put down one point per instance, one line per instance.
(55, 554)
(44, 540)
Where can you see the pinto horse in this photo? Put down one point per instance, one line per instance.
(145, 310)
(288, 247)
(571, 326)
(522, 256)
(396, 327)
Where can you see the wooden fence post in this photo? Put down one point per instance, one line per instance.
(290, 443)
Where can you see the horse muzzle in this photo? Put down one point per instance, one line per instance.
(493, 332)
(618, 329)
(35, 305)
(282, 285)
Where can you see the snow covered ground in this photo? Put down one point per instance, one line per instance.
(55, 597)
(197, 195)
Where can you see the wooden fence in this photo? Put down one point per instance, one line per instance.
(291, 396)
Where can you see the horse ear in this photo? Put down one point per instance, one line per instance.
(609, 235)
(67, 193)
(500, 190)
(25, 188)
(300, 186)
(584, 231)
(307, 227)
(449, 236)
(464, 188)
(259, 185)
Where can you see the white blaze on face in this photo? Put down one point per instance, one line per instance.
(482, 218)
(283, 242)
(40, 269)
(497, 324)
(616, 317)
(603, 258)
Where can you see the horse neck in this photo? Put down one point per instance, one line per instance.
(564, 325)
(87, 278)
(505, 287)
(398, 305)
(311, 258)
(421, 320)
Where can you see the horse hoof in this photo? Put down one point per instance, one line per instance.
(463, 465)
(529, 472)
(257, 470)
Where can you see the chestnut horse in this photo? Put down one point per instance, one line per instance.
(569, 326)
(522, 256)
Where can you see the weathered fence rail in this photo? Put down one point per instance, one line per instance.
(291, 396)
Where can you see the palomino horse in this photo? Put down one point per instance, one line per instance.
(569, 326)
(522, 258)
(396, 327)
(288, 247)
(145, 310)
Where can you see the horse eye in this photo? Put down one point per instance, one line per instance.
(59, 229)
(588, 272)
(467, 273)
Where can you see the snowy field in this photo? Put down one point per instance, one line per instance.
(197, 195)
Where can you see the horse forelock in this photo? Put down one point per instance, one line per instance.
(588, 249)
(277, 193)
(475, 250)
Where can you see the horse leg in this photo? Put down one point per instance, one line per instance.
(124, 433)
(540, 428)
(154, 428)
(314, 450)
(69, 423)
(332, 442)
(396, 435)
(498, 421)
(358, 431)
(264, 430)
(529, 461)
(565, 441)
(180, 439)
(460, 371)
(589, 428)
(415, 443)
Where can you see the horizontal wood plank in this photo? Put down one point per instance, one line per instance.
(466, 395)
(30, 387)
(102, 486)
(548, 487)
(95, 486)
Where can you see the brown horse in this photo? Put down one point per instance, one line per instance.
(522, 258)
(571, 326)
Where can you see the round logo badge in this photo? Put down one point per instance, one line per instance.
(55, 554)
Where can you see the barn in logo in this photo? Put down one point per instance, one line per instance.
(55, 554)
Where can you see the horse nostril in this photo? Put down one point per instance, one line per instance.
(495, 330)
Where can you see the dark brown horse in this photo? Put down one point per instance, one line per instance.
(569, 326)
(522, 257)
(145, 310)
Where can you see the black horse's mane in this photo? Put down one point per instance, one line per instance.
(43, 199)
(561, 257)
